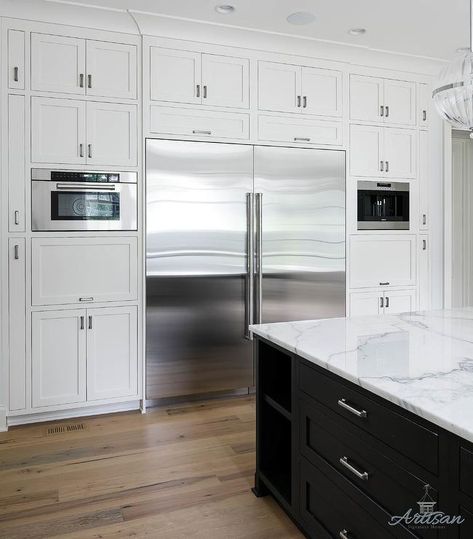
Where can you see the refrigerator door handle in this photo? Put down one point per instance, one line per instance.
(250, 276)
(258, 258)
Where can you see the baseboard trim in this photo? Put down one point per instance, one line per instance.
(3, 420)
(72, 413)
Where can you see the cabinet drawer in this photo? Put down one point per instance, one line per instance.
(326, 435)
(198, 123)
(82, 270)
(466, 471)
(324, 519)
(402, 434)
(285, 129)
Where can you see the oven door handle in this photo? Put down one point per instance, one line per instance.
(82, 187)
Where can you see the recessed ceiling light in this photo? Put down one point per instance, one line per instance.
(463, 49)
(300, 18)
(225, 9)
(357, 31)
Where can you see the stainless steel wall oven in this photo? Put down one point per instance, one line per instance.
(383, 205)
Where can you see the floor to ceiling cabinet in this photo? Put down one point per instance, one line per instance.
(16, 59)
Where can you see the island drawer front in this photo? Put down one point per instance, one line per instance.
(400, 433)
(466, 471)
(328, 508)
(325, 435)
(466, 529)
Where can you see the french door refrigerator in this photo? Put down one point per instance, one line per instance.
(235, 235)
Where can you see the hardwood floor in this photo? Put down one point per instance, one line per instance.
(178, 472)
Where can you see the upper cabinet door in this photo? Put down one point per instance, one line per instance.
(425, 99)
(225, 81)
(366, 150)
(279, 87)
(16, 59)
(111, 70)
(366, 99)
(57, 64)
(57, 130)
(400, 151)
(112, 134)
(400, 102)
(175, 75)
(321, 91)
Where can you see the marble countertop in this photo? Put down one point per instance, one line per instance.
(421, 361)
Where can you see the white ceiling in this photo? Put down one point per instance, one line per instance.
(430, 28)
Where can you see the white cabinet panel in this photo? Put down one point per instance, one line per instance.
(366, 98)
(400, 152)
(17, 322)
(112, 134)
(297, 129)
(175, 75)
(225, 81)
(366, 150)
(322, 91)
(378, 260)
(399, 301)
(16, 163)
(112, 361)
(279, 87)
(57, 130)
(400, 102)
(111, 69)
(57, 64)
(425, 100)
(424, 280)
(58, 357)
(424, 181)
(198, 123)
(16, 59)
(366, 303)
(78, 270)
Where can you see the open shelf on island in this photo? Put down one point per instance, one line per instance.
(275, 373)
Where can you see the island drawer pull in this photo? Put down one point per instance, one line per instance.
(344, 534)
(359, 413)
(361, 475)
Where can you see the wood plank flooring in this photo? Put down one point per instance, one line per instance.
(177, 472)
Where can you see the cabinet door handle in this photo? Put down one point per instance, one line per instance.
(387, 166)
(197, 90)
(387, 302)
(344, 534)
(361, 475)
(205, 92)
(201, 132)
(386, 283)
(424, 115)
(424, 245)
(81, 80)
(81, 322)
(381, 166)
(424, 219)
(17, 217)
(86, 299)
(81, 150)
(89, 151)
(381, 302)
(387, 111)
(16, 252)
(15, 74)
(89, 81)
(301, 139)
(90, 322)
(381, 111)
(304, 105)
(359, 413)
(298, 101)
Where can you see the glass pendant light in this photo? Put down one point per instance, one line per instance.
(453, 94)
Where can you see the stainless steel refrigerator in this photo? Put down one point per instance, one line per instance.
(236, 234)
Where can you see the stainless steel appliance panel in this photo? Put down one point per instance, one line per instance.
(197, 281)
(300, 234)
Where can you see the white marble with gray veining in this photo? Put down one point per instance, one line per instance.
(421, 361)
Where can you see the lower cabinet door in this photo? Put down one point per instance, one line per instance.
(112, 355)
(400, 301)
(58, 357)
(366, 303)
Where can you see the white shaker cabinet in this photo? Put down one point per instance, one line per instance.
(424, 181)
(400, 153)
(321, 92)
(366, 150)
(225, 81)
(279, 87)
(57, 64)
(366, 98)
(112, 346)
(112, 134)
(399, 301)
(111, 69)
(382, 302)
(17, 322)
(424, 280)
(58, 357)
(399, 102)
(366, 303)
(425, 100)
(16, 59)
(16, 163)
(58, 130)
